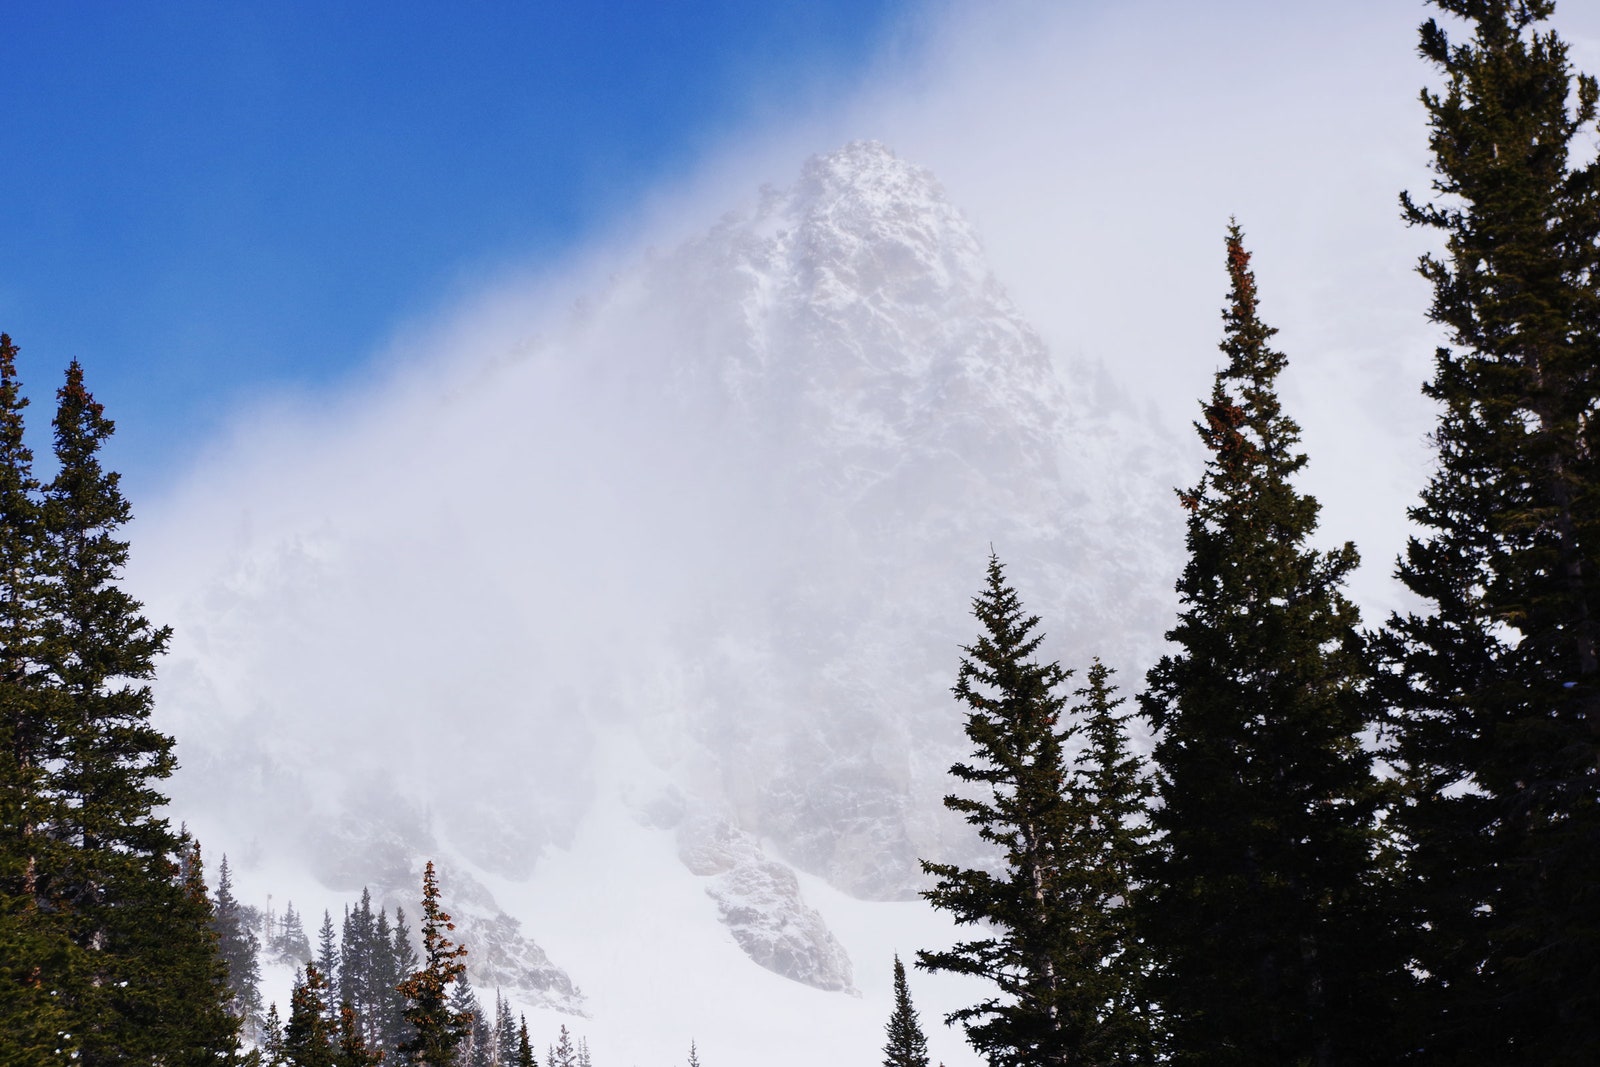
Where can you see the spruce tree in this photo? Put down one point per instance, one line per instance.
(1046, 1008)
(328, 958)
(273, 1052)
(1111, 794)
(525, 1056)
(116, 869)
(308, 1039)
(352, 1048)
(35, 954)
(239, 947)
(290, 943)
(398, 1030)
(694, 1055)
(505, 1031)
(1495, 686)
(1260, 904)
(437, 1031)
(907, 1045)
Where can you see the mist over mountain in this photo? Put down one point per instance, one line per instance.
(684, 571)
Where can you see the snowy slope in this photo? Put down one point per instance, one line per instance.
(642, 620)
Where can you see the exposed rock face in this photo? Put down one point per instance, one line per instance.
(733, 510)
(759, 901)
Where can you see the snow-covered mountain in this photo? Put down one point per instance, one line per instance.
(643, 622)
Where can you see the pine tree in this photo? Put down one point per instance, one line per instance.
(1260, 905)
(474, 1050)
(273, 1051)
(505, 1032)
(239, 948)
(385, 1012)
(35, 953)
(290, 942)
(115, 871)
(907, 1045)
(694, 1055)
(398, 1030)
(525, 1056)
(584, 1059)
(1038, 1015)
(328, 958)
(352, 1046)
(308, 1040)
(359, 956)
(437, 1030)
(1111, 794)
(1496, 687)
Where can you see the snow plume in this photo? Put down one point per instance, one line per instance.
(680, 534)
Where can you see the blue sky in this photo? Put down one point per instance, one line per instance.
(202, 201)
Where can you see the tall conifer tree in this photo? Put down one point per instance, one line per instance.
(239, 948)
(437, 1030)
(907, 1045)
(135, 905)
(1039, 946)
(35, 954)
(1261, 905)
(1496, 686)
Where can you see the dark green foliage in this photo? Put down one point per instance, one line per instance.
(1496, 687)
(505, 1031)
(352, 1048)
(476, 1048)
(1260, 907)
(35, 953)
(907, 1045)
(308, 1040)
(1044, 948)
(328, 955)
(1111, 794)
(239, 947)
(437, 1031)
(273, 1052)
(524, 1046)
(145, 980)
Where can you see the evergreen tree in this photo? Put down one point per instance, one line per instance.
(1111, 793)
(386, 1012)
(437, 1030)
(149, 981)
(398, 1030)
(694, 1055)
(238, 946)
(352, 1046)
(525, 1056)
(505, 1032)
(290, 942)
(328, 958)
(1260, 908)
(1496, 686)
(907, 1045)
(562, 1054)
(475, 1043)
(358, 958)
(35, 953)
(308, 1040)
(273, 1051)
(583, 1053)
(1041, 1013)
